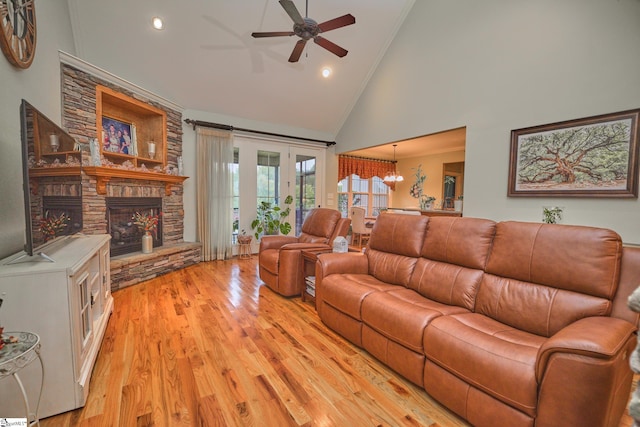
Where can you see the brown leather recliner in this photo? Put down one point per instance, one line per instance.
(280, 259)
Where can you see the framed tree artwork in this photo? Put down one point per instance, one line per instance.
(590, 157)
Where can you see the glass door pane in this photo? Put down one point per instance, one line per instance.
(268, 184)
(305, 188)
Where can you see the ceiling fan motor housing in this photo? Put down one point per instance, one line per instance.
(306, 30)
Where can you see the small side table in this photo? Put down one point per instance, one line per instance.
(309, 258)
(244, 246)
(14, 356)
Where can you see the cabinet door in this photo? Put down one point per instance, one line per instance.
(83, 327)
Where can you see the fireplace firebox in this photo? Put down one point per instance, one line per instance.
(126, 236)
(70, 206)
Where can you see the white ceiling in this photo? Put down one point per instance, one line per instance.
(205, 59)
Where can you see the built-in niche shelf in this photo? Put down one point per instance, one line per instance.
(50, 143)
(145, 125)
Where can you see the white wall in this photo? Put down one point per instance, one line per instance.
(499, 65)
(40, 85)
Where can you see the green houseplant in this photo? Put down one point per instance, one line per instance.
(270, 218)
(551, 214)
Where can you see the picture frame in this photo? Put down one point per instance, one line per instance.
(118, 136)
(590, 157)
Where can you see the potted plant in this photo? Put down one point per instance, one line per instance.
(551, 214)
(270, 218)
(426, 202)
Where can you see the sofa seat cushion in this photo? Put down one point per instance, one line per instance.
(402, 314)
(345, 292)
(493, 357)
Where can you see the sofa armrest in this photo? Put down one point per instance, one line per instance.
(276, 242)
(341, 263)
(338, 263)
(597, 337)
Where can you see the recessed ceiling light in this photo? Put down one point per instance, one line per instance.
(157, 22)
(326, 72)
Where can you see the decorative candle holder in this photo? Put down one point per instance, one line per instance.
(151, 149)
(54, 141)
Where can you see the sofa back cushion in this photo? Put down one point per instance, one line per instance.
(541, 277)
(319, 225)
(461, 241)
(538, 309)
(394, 246)
(454, 255)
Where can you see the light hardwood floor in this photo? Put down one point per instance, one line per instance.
(209, 345)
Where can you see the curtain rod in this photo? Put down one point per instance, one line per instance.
(368, 158)
(231, 128)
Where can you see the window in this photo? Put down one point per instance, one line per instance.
(371, 194)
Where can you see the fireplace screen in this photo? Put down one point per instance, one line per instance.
(125, 235)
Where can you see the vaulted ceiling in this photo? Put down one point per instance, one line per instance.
(205, 58)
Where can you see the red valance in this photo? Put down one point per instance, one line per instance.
(365, 168)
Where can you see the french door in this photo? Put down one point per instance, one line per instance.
(269, 170)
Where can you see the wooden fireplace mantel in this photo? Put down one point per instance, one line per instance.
(104, 174)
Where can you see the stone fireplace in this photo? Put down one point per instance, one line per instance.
(126, 236)
(110, 194)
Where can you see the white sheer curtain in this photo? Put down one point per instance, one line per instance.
(214, 192)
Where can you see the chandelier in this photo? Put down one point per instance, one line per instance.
(392, 177)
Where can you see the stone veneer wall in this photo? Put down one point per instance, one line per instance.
(79, 120)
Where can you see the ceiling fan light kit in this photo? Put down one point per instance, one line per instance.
(307, 28)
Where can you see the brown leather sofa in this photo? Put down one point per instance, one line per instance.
(506, 324)
(280, 259)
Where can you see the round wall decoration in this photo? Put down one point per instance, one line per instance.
(18, 31)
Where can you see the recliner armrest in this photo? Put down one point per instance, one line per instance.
(598, 337)
(304, 246)
(276, 242)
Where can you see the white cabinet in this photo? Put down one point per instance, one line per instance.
(67, 303)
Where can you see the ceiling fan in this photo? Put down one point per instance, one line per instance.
(306, 28)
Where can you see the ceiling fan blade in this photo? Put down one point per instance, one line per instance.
(292, 11)
(297, 50)
(339, 22)
(272, 34)
(330, 46)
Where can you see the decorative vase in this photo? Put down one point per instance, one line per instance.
(425, 206)
(457, 205)
(147, 243)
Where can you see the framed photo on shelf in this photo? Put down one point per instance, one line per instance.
(117, 136)
(590, 157)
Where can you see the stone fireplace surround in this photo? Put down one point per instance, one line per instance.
(79, 120)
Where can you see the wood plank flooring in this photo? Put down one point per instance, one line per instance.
(210, 345)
